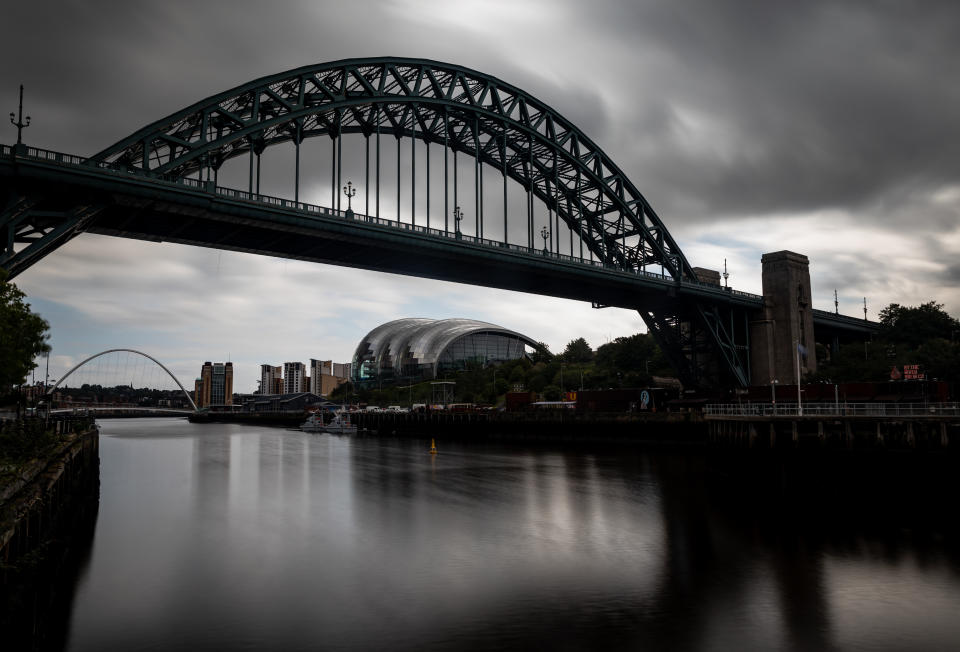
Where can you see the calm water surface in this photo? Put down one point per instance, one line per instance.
(229, 537)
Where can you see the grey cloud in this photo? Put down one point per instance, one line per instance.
(714, 110)
(832, 104)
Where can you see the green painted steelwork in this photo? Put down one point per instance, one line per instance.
(160, 183)
(488, 119)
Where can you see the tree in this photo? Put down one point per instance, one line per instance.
(914, 326)
(577, 351)
(541, 353)
(23, 336)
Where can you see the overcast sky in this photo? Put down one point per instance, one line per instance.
(826, 128)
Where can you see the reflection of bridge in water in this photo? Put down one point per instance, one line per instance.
(602, 241)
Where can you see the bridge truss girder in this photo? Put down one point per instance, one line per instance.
(707, 343)
(466, 111)
(32, 226)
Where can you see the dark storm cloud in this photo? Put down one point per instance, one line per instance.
(99, 71)
(722, 108)
(825, 103)
(716, 110)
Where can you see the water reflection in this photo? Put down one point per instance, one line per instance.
(225, 537)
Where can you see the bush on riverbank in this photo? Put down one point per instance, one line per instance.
(25, 439)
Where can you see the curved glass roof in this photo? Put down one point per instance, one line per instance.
(399, 343)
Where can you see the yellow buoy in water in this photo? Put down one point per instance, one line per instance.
(433, 447)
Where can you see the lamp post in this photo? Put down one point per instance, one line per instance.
(773, 394)
(796, 346)
(544, 233)
(457, 216)
(561, 381)
(349, 191)
(20, 124)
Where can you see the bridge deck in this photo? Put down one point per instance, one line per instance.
(190, 212)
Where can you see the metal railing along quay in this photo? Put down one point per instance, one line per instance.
(890, 410)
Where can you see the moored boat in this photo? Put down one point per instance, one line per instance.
(339, 425)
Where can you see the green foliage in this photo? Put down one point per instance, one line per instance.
(925, 335)
(551, 393)
(25, 439)
(914, 326)
(577, 351)
(23, 335)
(541, 353)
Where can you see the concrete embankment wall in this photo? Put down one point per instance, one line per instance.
(48, 512)
(39, 493)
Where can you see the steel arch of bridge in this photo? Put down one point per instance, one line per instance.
(462, 109)
(149, 357)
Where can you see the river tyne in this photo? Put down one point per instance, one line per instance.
(233, 537)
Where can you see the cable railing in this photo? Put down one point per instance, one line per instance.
(831, 409)
(313, 210)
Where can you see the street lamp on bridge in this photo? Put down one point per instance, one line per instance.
(349, 191)
(457, 216)
(544, 233)
(20, 124)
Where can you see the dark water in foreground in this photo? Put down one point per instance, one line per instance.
(228, 537)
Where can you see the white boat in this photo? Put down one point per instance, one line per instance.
(339, 425)
(314, 423)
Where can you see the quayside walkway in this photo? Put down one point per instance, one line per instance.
(924, 426)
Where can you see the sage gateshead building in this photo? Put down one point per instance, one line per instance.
(417, 349)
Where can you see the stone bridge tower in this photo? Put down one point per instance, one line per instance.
(785, 321)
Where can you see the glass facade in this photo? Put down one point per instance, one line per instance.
(218, 384)
(414, 349)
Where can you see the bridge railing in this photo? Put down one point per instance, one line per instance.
(313, 209)
(781, 409)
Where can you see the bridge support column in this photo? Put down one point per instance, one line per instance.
(786, 320)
